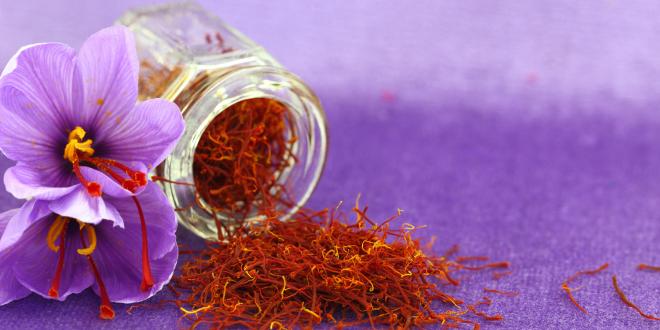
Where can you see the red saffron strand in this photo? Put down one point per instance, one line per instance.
(139, 177)
(54, 290)
(502, 264)
(93, 188)
(648, 267)
(570, 279)
(499, 275)
(106, 312)
(630, 303)
(147, 278)
(463, 259)
(503, 293)
(162, 179)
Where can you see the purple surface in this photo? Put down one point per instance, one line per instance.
(526, 132)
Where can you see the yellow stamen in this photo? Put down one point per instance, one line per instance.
(54, 232)
(91, 234)
(76, 144)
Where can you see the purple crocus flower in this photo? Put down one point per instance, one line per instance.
(56, 256)
(83, 148)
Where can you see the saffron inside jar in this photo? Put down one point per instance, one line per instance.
(241, 157)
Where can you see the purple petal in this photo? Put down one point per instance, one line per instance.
(81, 206)
(159, 217)
(119, 258)
(147, 134)
(4, 219)
(50, 181)
(30, 213)
(36, 266)
(108, 65)
(10, 288)
(35, 98)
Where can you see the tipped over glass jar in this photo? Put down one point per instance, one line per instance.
(255, 136)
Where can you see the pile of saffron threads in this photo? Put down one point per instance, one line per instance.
(318, 267)
(240, 156)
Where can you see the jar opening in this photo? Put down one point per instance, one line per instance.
(277, 115)
(242, 159)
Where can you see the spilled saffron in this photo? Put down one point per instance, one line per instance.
(569, 290)
(317, 267)
(630, 303)
(499, 275)
(648, 267)
(502, 292)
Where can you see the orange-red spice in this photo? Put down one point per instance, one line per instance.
(630, 303)
(568, 289)
(502, 292)
(648, 267)
(317, 268)
(240, 156)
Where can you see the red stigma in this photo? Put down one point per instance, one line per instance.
(94, 189)
(140, 178)
(130, 179)
(105, 310)
(130, 185)
(147, 278)
(54, 291)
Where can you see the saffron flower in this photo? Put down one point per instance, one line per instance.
(83, 149)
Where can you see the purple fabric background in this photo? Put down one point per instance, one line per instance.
(526, 131)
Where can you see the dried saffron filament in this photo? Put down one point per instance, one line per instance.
(499, 275)
(503, 293)
(496, 317)
(502, 264)
(304, 271)
(463, 259)
(648, 267)
(630, 303)
(568, 289)
(105, 310)
(162, 179)
(240, 156)
(147, 278)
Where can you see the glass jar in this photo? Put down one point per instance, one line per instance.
(192, 58)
